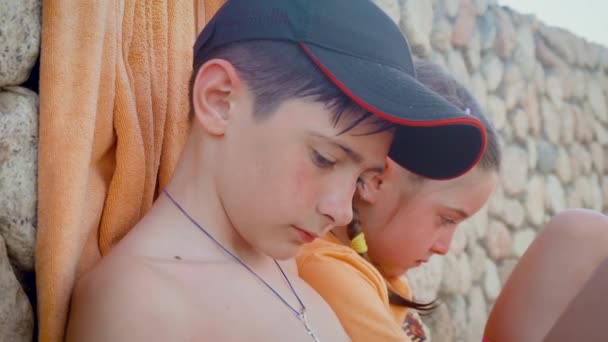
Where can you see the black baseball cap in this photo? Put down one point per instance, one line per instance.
(361, 50)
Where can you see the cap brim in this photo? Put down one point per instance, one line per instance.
(435, 139)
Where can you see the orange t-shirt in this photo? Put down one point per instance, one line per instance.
(357, 293)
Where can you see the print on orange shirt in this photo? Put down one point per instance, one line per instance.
(413, 328)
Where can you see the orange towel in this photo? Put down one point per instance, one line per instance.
(113, 119)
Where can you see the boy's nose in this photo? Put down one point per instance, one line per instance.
(337, 205)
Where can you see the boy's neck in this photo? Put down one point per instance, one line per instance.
(192, 187)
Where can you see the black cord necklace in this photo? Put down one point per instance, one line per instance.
(300, 314)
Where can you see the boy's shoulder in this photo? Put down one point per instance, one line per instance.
(131, 297)
(120, 297)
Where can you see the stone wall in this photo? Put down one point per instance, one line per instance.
(19, 48)
(545, 90)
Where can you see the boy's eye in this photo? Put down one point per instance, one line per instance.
(321, 161)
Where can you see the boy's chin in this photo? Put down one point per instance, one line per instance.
(285, 252)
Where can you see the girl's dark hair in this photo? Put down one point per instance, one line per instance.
(444, 84)
(277, 71)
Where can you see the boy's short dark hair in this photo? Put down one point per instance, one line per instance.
(276, 71)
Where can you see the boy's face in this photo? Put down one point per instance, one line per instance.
(290, 177)
(407, 223)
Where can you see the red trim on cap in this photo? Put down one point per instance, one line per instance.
(401, 121)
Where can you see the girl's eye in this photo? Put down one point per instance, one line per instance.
(446, 221)
(321, 161)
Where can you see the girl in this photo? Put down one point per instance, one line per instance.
(403, 219)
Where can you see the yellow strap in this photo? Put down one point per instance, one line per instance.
(358, 243)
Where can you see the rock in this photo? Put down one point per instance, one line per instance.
(514, 213)
(597, 200)
(574, 199)
(539, 79)
(458, 312)
(514, 172)
(496, 203)
(551, 123)
(441, 35)
(547, 156)
(459, 239)
(16, 314)
(496, 112)
(18, 163)
(532, 151)
(491, 281)
(583, 189)
(441, 325)
(584, 127)
(512, 85)
(478, 261)
(457, 66)
(605, 190)
(585, 157)
(498, 241)
(563, 165)
(464, 23)
(597, 155)
(545, 55)
(522, 240)
(532, 108)
(492, 71)
(481, 6)
(478, 87)
(426, 279)
(505, 34)
(578, 163)
(472, 53)
(598, 102)
(505, 269)
(417, 22)
(535, 201)
(452, 7)
(579, 85)
(521, 125)
(456, 275)
(601, 134)
(479, 222)
(477, 315)
(554, 89)
(525, 51)
(487, 30)
(19, 40)
(558, 40)
(554, 193)
(568, 125)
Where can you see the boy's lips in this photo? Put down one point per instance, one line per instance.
(304, 235)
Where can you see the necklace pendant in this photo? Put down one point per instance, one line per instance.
(309, 331)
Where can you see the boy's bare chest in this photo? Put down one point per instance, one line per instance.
(227, 304)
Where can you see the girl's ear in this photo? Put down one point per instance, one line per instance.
(369, 188)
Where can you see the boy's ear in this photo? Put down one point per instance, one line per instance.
(214, 90)
(368, 189)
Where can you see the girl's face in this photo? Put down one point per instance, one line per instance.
(407, 220)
